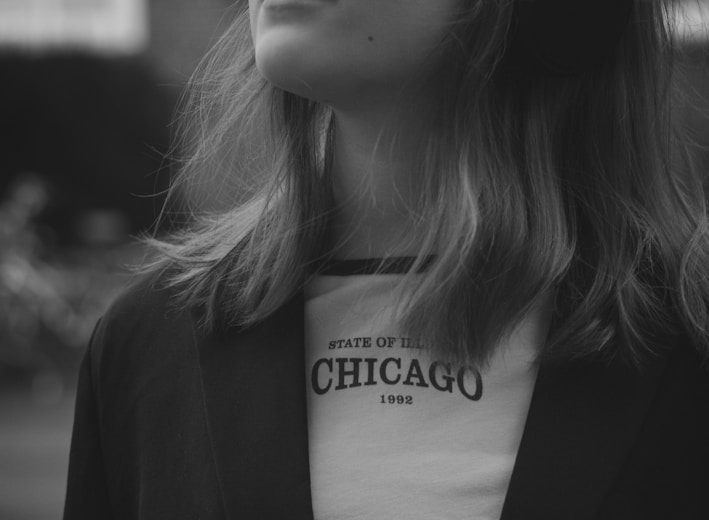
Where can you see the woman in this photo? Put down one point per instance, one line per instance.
(469, 283)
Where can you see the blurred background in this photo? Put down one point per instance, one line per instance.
(87, 94)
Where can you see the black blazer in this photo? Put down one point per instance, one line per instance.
(174, 424)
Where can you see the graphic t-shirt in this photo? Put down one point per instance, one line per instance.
(394, 433)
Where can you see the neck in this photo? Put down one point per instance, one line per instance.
(373, 174)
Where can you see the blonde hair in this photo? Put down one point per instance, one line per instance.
(531, 185)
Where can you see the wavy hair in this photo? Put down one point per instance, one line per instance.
(571, 188)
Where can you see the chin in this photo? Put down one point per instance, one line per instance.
(302, 75)
(290, 67)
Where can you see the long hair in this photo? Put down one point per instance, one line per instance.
(532, 187)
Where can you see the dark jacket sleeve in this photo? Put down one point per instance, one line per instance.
(87, 488)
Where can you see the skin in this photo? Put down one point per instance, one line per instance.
(374, 63)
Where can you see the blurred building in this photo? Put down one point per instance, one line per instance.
(87, 97)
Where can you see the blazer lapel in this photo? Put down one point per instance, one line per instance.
(254, 387)
(582, 422)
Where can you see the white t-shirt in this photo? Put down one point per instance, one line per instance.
(394, 434)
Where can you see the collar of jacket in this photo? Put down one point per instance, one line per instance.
(582, 422)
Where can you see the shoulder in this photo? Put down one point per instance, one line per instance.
(147, 306)
(146, 327)
(150, 301)
(140, 393)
